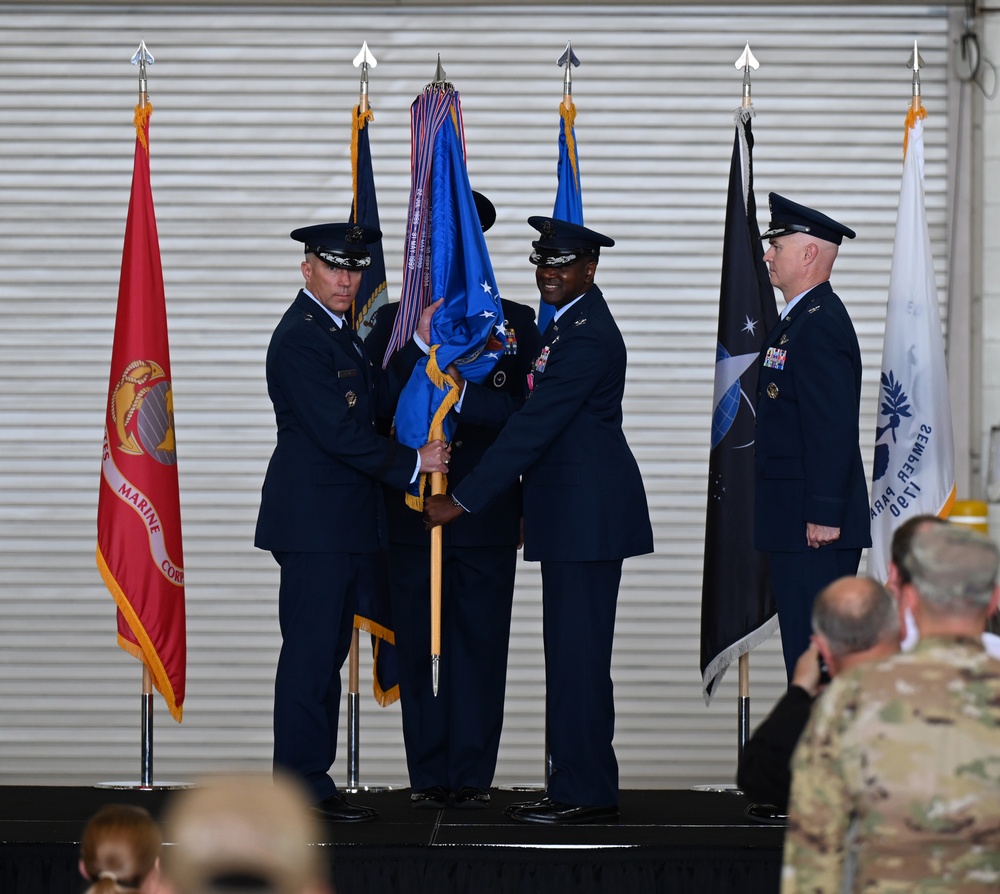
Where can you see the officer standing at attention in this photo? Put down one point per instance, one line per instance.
(321, 506)
(584, 512)
(452, 739)
(811, 511)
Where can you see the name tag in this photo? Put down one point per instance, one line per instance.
(346, 373)
(775, 358)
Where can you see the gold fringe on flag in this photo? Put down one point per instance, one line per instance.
(568, 115)
(358, 121)
(141, 121)
(912, 116)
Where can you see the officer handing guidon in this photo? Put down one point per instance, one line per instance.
(811, 507)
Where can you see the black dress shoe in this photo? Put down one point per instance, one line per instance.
(556, 813)
(337, 809)
(468, 797)
(434, 798)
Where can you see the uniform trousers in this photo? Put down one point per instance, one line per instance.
(579, 600)
(797, 579)
(452, 740)
(317, 598)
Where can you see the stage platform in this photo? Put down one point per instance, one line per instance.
(673, 841)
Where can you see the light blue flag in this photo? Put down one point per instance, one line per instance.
(468, 328)
(569, 199)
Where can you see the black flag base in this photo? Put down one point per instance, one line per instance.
(729, 788)
(142, 787)
(767, 813)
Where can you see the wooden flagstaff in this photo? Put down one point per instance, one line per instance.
(746, 62)
(437, 532)
(437, 542)
(364, 60)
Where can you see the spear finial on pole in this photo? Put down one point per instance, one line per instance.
(915, 62)
(440, 81)
(746, 62)
(365, 60)
(568, 60)
(142, 57)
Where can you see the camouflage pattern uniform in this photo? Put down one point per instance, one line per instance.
(909, 748)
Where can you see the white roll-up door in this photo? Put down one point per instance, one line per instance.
(249, 139)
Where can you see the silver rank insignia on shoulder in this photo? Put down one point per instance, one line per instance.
(815, 308)
(580, 322)
(351, 399)
(783, 340)
(772, 390)
(307, 317)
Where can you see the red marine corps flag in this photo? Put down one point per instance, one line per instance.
(138, 512)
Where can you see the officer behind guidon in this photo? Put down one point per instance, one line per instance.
(321, 506)
(811, 507)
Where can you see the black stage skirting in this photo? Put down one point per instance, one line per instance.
(666, 841)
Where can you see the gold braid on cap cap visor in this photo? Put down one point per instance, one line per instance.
(350, 260)
(569, 256)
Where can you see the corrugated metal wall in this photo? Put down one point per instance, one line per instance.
(249, 139)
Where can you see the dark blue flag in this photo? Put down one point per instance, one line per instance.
(737, 605)
(373, 291)
(468, 328)
(374, 614)
(569, 200)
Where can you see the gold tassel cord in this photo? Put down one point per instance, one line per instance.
(568, 115)
(141, 121)
(912, 116)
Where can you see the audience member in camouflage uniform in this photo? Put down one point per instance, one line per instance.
(907, 750)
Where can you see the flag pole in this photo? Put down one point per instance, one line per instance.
(746, 62)
(364, 59)
(437, 487)
(915, 63)
(141, 57)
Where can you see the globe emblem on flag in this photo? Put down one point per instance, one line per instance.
(727, 407)
(156, 423)
(142, 411)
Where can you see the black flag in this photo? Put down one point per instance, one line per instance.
(737, 605)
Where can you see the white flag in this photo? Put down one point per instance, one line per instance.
(914, 470)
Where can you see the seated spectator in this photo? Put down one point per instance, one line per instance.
(245, 833)
(898, 765)
(854, 620)
(120, 851)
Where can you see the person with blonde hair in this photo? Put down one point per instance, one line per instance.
(120, 851)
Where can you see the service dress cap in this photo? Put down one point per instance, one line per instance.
(789, 217)
(564, 243)
(339, 244)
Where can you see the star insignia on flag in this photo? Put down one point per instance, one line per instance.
(751, 326)
(500, 328)
(487, 288)
(493, 355)
(488, 314)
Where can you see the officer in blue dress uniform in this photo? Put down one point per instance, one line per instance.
(584, 512)
(811, 511)
(452, 739)
(321, 505)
